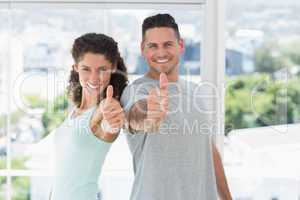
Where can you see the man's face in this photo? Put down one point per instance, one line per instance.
(162, 50)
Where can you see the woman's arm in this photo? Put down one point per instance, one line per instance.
(99, 133)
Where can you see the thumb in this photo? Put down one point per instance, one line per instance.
(109, 92)
(163, 81)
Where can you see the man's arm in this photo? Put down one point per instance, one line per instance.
(222, 186)
(137, 116)
(147, 114)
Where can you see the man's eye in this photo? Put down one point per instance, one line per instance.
(85, 69)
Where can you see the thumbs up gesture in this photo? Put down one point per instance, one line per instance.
(110, 113)
(157, 103)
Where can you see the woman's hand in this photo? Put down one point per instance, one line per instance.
(113, 116)
(108, 118)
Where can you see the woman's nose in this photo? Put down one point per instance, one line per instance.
(94, 79)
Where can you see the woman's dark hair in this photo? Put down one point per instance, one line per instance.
(97, 44)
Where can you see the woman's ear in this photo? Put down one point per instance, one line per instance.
(114, 68)
(75, 67)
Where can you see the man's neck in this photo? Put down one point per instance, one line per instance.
(172, 77)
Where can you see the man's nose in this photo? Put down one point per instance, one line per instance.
(161, 52)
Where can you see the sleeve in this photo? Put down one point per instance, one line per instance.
(132, 94)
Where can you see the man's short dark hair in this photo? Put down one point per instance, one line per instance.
(158, 21)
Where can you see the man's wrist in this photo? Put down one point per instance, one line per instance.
(151, 125)
(146, 126)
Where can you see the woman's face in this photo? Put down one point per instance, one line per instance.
(94, 74)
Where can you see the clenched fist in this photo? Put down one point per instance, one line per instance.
(157, 103)
(110, 113)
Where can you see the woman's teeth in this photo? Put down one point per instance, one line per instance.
(92, 86)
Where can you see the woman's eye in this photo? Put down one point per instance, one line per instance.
(151, 46)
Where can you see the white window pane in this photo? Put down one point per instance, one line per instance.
(3, 187)
(262, 64)
(31, 187)
(4, 37)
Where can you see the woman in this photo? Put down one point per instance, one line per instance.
(97, 80)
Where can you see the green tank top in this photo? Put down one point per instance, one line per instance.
(79, 157)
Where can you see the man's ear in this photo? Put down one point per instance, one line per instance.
(181, 46)
(142, 47)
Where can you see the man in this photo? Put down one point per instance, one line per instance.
(173, 155)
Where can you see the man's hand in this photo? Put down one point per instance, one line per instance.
(157, 104)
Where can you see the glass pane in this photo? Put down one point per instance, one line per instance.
(20, 188)
(43, 61)
(3, 140)
(262, 99)
(4, 41)
(40, 102)
(130, 22)
(42, 65)
(125, 26)
(33, 188)
(3, 187)
(262, 64)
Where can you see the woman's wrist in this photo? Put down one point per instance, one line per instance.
(102, 134)
(105, 126)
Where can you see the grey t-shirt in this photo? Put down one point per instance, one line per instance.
(175, 163)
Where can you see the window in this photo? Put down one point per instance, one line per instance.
(40, 60)
(4, 34)
(262, 98)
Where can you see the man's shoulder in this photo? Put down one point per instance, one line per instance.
(141, 84)
(190, 85)
(142, 80)
(139, 80)
(134, 83)
(135, 91)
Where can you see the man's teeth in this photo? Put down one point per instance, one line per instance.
(92, 86)
(162, 61)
